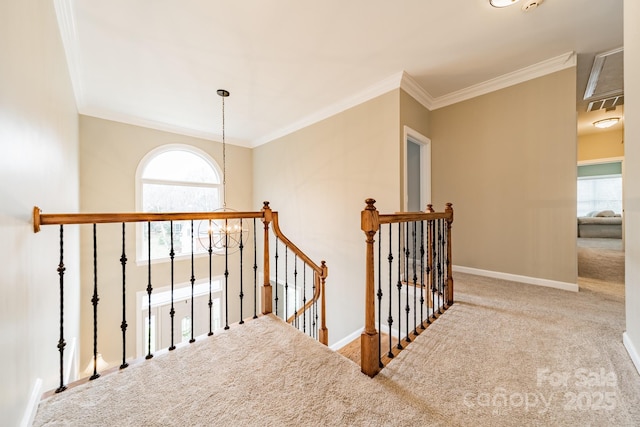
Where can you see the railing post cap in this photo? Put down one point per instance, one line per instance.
(370, 204)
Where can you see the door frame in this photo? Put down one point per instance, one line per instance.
(424, 143)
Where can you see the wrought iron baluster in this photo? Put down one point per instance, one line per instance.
(241, 275)
(94, 302)
(434, 268)
(123, 325)
(304, 297)
(414, 226)
(399, 285)
(422, 276)
(446, 262)
(295, 290)
(172, 312)
(192, 280)
(255, 272)
(379, 294)
(226, 275)
(314, 309)
(390, 318)
(210, 250)
(286, 282)
(277, 256)
(440, 264)
(149, 288)
(61, 343)
(407, 309)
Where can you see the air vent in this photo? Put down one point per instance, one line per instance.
(606, 103)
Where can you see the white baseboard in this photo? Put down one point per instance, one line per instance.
(32, 405)
(565, 286)
(346, 340)
(631, 349)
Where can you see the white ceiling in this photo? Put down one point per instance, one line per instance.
(288, 62)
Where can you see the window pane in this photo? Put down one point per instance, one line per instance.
(180, 166)
(178, 198)
(599, 193)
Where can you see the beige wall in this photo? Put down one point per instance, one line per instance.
(109, 156)
(38, 165)
(632, 175)
(601, 145)
(507, 162)
(318, 178)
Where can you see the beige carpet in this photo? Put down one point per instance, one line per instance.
(505, 354)
(601, 259)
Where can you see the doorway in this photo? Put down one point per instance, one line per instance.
(417, 171)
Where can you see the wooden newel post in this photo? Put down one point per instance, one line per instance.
(449, 209)
(369, 346)
(266, 287)
(323, 333)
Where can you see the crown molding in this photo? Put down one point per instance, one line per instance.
(552, 65)
(417, 92)
(69, 36)
(390, 83)
(160, 126)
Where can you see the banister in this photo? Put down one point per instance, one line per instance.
(40, 219)
(318, 278)
(413, 216)
(436, 282)
(321, 272)
(266, 215)
(294, 248)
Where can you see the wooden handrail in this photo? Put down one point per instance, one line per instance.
(294, 248)
(40, 219)
(320, 274)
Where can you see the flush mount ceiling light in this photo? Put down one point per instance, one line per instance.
(606, 123)
(502, 3)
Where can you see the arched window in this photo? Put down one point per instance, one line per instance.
(175, 178)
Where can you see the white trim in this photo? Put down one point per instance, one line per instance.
(72, 362)
(600, 161)
(161, 126)
(32, 405)
(69, 36)
(631, 349)
(565, 286)
(380, 88)
(346, 340)
(417, 92)
(425, 167)
(558, 63)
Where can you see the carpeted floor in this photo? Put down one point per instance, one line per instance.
(601, 259)
(506, 354)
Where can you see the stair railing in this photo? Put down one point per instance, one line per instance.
(413, 275)
(307, 316)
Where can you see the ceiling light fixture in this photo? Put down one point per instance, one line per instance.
(227, 234)
(502, 3)
(606, 123)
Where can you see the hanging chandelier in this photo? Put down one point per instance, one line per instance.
(224, 234)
